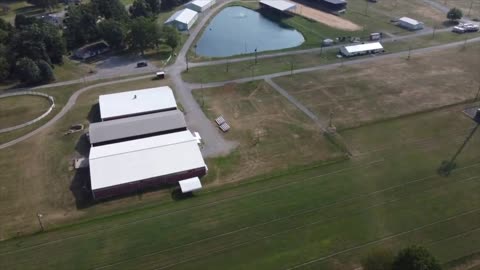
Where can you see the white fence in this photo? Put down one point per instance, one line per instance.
(29, 93)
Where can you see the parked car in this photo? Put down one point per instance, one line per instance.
(142, 64)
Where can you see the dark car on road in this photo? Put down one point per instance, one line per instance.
(141, 64)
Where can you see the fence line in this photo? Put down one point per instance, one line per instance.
(29, 93)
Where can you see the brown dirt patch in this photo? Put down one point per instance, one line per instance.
(325, 18)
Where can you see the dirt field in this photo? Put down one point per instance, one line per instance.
(389, 88)
(326, 18)
(271, 132)
(21, 109)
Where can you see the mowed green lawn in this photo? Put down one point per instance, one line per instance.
(388, 196)
(20, 109)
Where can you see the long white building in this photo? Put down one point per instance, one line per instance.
(200, 5)
(183, 19)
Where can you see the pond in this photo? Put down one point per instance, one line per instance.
(238, 30)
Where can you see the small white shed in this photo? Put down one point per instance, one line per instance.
(410, 24)
(200, 5)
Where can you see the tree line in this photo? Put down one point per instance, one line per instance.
(31, 48)
(410, 258)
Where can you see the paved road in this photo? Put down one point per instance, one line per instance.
(215, 144)
(330, 66)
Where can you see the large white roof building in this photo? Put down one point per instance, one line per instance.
(138, 102)
(128, 162)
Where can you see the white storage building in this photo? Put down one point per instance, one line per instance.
(410, 24)
(200, 5)
(361, 49)
(279, 5)
(136, 165)
(138, 102)
(183, 19)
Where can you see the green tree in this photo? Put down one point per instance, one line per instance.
(46, 72)
(113, 32)
(455, 14)
(81, 26)
(110, 9)
(45, 4)
(140, 8)
(6, 31)
(22, 21)
(378, 259)
(4, 68)
(38, 41)
(169, 4)
(27, 71)
(143, 34)
(171, 36)
(415, 258)
(154, 6)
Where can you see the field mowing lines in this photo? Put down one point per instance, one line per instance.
(383, 239)
(318, 221)
(222, 249)
(204, 205)
(425, 142)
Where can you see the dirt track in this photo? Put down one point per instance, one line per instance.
(325, 18)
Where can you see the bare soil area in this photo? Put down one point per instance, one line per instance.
(326, 18)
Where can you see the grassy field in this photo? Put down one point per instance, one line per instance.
(416, 9)
(370, 92)
(18, 110)
(35, 175)
(244, 69)
(464, 5)
(323, 218)
(266, 127)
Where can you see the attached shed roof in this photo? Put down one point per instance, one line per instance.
(189, 185)
(136, 126)
(135, 160)
(409, 21)
(279, 4)
(184, 16)
(364, 47)
(201, 3)
(136, 102)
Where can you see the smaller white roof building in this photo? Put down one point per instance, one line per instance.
(138, 102)
(281, 5)
(147, 158)
(354, 49)
(200, 5)
(185, 16)
(409, 21)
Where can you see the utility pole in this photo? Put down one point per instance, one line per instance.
(464, 144)
(409, 52)
(478, 94)
(186, 58)
(470, 9)
(366, 7)
(39, 217)
(255, 56)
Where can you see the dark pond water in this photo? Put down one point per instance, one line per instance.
(238, 30)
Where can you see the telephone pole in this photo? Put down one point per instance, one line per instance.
(39, 217)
